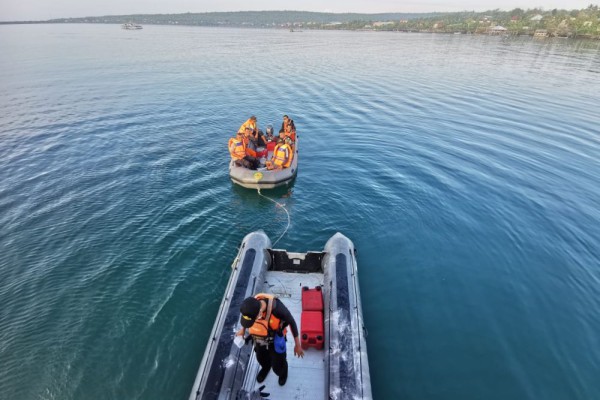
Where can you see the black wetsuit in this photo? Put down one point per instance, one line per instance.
(266, 356)
(259, 138)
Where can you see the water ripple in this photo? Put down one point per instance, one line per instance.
(463, 167)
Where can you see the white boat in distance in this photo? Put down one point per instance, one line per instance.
(131, 26)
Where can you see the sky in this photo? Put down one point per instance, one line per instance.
(35, 10)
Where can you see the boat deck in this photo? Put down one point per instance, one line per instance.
(306, 376)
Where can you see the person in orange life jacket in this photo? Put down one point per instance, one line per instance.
(282, 154)
(238, 151)
(255, 133)
(289, 134)
(250, 123)
(265, 316)
(250, 143)
(288, 127)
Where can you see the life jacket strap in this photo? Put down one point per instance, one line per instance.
(269, 309)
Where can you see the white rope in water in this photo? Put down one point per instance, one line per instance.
(284, 209)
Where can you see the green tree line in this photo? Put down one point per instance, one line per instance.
(577, 23)
(581, 23)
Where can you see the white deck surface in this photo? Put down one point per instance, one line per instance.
(306, 376)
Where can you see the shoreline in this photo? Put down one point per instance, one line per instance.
(461, 32)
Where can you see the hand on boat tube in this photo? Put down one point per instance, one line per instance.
(240, 340)
(298, 351)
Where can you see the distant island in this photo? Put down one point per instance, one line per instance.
(583, 23)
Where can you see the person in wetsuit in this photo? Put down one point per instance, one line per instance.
(264, 316)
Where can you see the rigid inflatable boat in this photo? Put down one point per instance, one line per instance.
(262, 178)
(335, 364)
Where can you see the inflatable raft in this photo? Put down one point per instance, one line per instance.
(335, 364)
(262, 178)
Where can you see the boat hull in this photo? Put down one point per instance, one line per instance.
(339, 371)
(264, 178)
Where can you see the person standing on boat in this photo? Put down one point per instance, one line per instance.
(266, 318)
(255, 133)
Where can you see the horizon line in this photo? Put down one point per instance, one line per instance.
(298, 11)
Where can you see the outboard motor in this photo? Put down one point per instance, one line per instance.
(269, 131)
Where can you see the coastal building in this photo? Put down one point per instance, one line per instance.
(382, 23)
(536, 18)
(497, 30)
(540, 33)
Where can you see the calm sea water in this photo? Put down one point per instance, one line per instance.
(464, 168)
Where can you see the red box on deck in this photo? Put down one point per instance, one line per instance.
(312, 299)
(311, 330)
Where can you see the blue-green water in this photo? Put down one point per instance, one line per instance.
(464, 168)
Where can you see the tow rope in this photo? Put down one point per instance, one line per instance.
(284, 209)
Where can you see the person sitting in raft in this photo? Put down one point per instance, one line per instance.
(237, 149)
(256, 134)
(250, 142)
(288, 134)
(288, 127)
(282, 154)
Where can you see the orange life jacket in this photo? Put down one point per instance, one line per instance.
(290, 130)
(237, 148)
(289, 126)
(282, 155)
(250, 124)
(266, 327)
